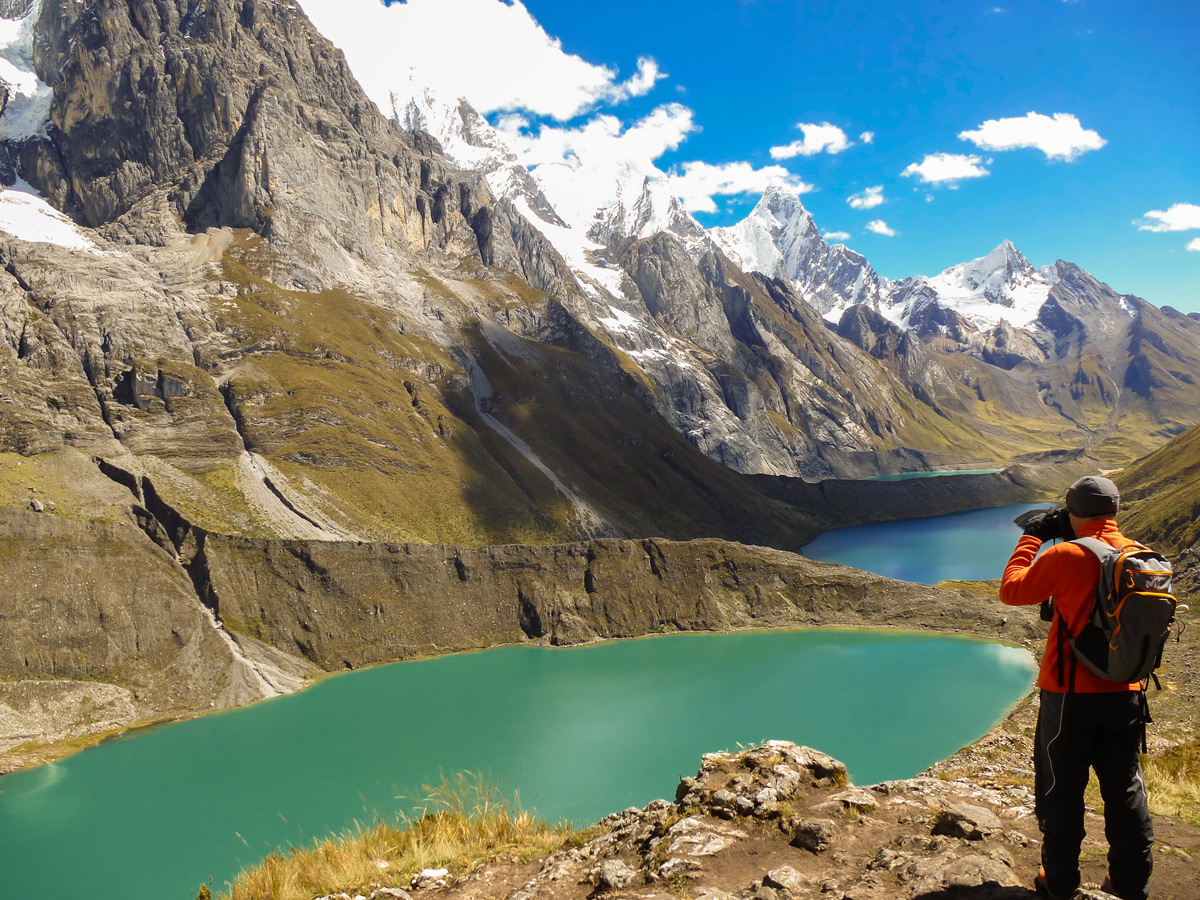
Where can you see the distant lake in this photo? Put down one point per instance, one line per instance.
(908, 476)
(579, 732)
(966, 546)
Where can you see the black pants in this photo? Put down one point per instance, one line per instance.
(1077, 732)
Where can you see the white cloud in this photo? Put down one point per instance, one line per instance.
(868, 199)
(648, 74)
(823, 138)
(700, 182)
(880, 227)
(939, 168)
(867, 137)
(1180, 217)
(1059, 137)
(606, 137)
(494, 53)
(1194, 244)
(582, 168)
(836, 235)
(497, 56)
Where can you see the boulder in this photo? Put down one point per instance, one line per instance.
(814, 834)
(785, 879)
(971, 823)
(614, 875)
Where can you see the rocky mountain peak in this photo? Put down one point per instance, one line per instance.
(785, 207)
(467, 138)
(655, 209)
(780, 239)
(997, 274)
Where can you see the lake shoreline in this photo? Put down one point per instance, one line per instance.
(21, 759)
(146, 637)
(283, 773)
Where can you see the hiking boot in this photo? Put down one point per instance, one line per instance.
(1108, 888)
(1043, 889)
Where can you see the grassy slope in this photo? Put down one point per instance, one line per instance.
(341, 396)
(461, 825)
(336, 394)
(607, 444)
(1161, 494)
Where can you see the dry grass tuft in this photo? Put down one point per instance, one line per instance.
(1173, 782)
(461, 824)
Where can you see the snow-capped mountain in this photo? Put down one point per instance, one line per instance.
(990, 306)
(471, 143)
(969, 301)
(654, 209)
(780, 239)
(1000, 287)
(641, 205)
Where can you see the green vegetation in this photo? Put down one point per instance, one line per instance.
(65, 481)
(461, 825)
(1161, 495)
(377, 426)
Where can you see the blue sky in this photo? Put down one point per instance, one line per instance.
(722, 83)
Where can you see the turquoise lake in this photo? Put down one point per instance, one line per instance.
(908, 476)
(577, 732)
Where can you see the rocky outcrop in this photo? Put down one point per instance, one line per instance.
(782, 822)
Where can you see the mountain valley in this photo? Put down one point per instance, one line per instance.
(293, 374)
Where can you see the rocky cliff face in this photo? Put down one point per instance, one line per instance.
(232, 114)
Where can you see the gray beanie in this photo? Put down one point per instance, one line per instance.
(1092, 496)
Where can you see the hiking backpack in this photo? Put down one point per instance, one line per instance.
(1131, 616)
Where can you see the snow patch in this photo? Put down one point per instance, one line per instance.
(578, 251)
(620, 321)
(25, 215)
(28, 108)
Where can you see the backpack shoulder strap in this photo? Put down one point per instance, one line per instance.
(1101, 550)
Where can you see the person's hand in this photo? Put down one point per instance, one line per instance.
(1049, 526)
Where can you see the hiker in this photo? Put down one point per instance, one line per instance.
(1085, 721)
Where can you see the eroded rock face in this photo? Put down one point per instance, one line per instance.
(343, 604)
(103, 603)
(241, 114)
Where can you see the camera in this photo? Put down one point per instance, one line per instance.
(1048, 525)
(1059, 524)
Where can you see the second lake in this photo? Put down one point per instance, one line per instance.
(966, 546)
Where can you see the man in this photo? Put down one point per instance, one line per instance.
(1085, 721)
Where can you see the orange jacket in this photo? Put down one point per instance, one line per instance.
(1069, 573)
